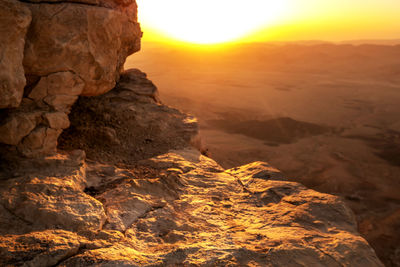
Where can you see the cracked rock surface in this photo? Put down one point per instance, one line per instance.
(143, 197)
(179, 208)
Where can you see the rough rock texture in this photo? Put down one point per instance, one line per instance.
(143, 197)
(45, 248)
(62, 49)
(92, 42)
(44, 201)
(127, 6)
(177, 209)
(16, 127)
(163, 204)
(14, 22)
(127, 124)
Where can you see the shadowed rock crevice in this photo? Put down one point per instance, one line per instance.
(127, 124)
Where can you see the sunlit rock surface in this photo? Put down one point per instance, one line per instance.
(179, 208)
(143, 196)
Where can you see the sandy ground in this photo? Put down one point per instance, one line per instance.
(327, 116)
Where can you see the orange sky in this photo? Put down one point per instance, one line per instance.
(218, 21)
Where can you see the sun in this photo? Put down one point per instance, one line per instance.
(209, 21)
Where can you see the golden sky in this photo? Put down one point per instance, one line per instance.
(219, 21)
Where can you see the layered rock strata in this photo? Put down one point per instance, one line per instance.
(53, 52)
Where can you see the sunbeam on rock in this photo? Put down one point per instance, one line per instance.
(96, 171)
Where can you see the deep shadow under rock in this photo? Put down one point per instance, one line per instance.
(126, 125)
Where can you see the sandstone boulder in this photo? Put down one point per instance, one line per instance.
(41, 141)
(49, 195)
(90, 41)
(52, 203)
(137, 82)
(60, 83)
(70, 48)
(16, 126)
(57, 120)
(46, 248)
(15, 19)
(115, 4)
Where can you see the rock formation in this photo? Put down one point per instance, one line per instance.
(130, 123)
(153, 206)
(143, 196)
(177, 209)
(14, 22)
(51, 54)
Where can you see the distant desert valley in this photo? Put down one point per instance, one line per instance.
(326, 115)
(209, 146)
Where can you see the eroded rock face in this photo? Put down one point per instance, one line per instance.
(16, 127)
(143, 198)
(127, 124)
(176, 209)
(64, 49)
(14, 22)
(92, 42)
(42, 202)
(45, 248)
(114, 4)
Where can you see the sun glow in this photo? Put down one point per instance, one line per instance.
(209, 21)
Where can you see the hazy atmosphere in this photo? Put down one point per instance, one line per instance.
(312, 87)
(326, 115)
(257, 133)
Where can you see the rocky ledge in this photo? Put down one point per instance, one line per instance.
(95, 171)
(176, 209)
(144, 197)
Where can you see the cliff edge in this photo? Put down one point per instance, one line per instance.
(96, 171)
